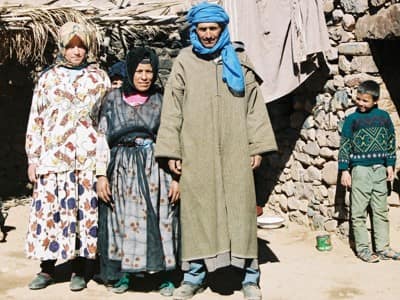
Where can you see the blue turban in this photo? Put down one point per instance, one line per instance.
(206, 12)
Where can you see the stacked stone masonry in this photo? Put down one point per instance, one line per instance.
(308, 189)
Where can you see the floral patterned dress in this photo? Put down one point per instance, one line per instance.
(61, 142)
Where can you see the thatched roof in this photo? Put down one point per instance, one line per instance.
(28, 32)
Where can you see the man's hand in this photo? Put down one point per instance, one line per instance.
(346, 179)
(390, 173)
(175, 165)
(174, 192)
(32, 173)
(255, 161)
(103, 189)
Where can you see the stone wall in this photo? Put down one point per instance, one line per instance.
(364, 36)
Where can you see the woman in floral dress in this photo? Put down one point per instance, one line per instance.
(137, 219)
(61, 149)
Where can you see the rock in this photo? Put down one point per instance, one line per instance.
(288, 188)
(299, 146)
(331, 194)
(297, 171)
(293, 203)
(309, 122)
(318, 222)
(333, 121)
(303, 205)
(326, 152)
(333, 139)
(383, 25)
(330, 225)
(320, 119)
(313, 173)
(354, 49)
(318, 162)
(344, 229)
(377, 3)
(349, 22)
(335, 33)
(310, 212)
(278, 188)
(354, 6)
(347, 37)
(329, 86)
(342, 98)
(302, 157)
(354, 80)
(283, 203)
(298, 218)
(299, 189)
(333, 69)
(363, 64)
(330, 173)
(338, 81)
(337, 15)
(328, 6)
(321, 137)
(332, 54)
(311, 148)
(323, 210)
(344, 64)
(308, 193)
(320, 192)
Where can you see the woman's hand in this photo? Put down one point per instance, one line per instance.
(175, 165)
(174, 192)
(32, 173)
(255, 161)
(103, 189)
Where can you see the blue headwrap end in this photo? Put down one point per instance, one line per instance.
(206, 12)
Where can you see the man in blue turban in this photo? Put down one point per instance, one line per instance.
(214, 128)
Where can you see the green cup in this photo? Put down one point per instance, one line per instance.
(324, 242)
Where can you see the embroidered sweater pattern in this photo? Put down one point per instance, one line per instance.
(367, 139)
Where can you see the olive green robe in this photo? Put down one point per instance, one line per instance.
(214, 133)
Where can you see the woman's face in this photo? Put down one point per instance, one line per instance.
(75, 51)
(143, 77)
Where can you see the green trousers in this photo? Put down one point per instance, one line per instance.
(369, 188)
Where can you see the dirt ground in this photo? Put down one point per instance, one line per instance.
(291, 269)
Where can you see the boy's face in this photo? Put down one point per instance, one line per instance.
(365, 102)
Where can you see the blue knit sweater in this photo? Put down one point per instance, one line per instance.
(368, 138)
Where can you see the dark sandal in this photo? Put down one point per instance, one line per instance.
(368, 256)
(389, 254)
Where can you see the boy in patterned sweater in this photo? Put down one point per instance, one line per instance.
(367, 157)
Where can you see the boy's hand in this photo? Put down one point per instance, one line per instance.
(175, 165)
(103, 189)
(390, 173)
(346, 179)
(255, 161)
(174, 192)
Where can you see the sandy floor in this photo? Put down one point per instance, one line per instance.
(291, 269)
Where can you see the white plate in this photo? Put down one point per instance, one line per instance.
(270, 221)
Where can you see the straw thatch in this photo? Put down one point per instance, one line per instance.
(28, 33)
